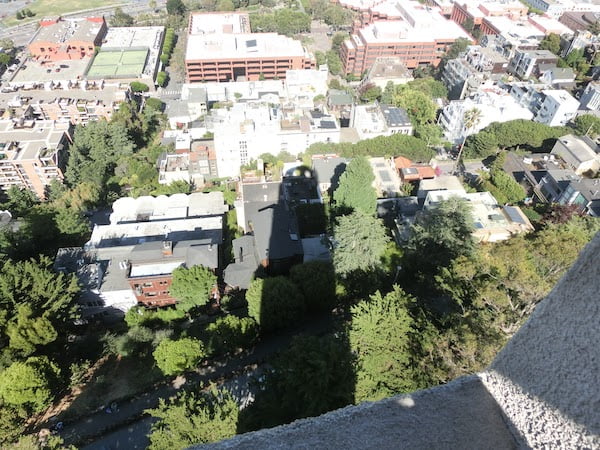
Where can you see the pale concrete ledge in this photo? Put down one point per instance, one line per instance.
(461, 414)
(542, 391)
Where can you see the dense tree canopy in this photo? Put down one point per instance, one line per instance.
(360, 242)
(177, 356)
(312, 376)
(231, 333)
(275, 302)
(380, 335)
(397, 144)
(193, 418)
(29, 383)
(355, 191)
(316, 280)
(192, 286)
(283, 21)
(440, 235)
(515, 133)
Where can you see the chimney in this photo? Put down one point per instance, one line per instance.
(167, 248)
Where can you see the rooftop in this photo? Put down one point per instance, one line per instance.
(254, 45)
(401, 31)
(176, 206)
(575, 150)
(70, 30)
(30, 139)
(219, 23)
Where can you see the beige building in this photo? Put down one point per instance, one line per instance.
(32, 153)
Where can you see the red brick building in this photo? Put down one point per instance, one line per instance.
(221, 47)
(67, 39)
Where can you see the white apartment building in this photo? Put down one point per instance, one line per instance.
(556, 108)
(246, 130)
(494, 106)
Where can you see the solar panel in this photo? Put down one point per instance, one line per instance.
(385, 177)
(514, 215)
(327, 124)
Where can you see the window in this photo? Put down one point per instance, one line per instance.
(149, 294)
(243, 152)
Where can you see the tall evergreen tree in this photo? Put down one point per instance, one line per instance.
(380, 335)
(355, 190)
(360, 242)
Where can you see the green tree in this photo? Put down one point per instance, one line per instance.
(355, 191)
(161, 79)
(29, 383)
(380, 335)
(369, 93)
(587, 124)
(438, 236)
(321, 58)
(225, 5)
(358, 234)
(457, 47)
(26, 333)
(5, 59)
(192, 286)
(138, 86)
(175, 7)
(312, 376)
(193, 418)
(121, 19)
(230, 333)
(501, 185)
(45, 293)
(20, 201)
(274, 303)
(316, 279)
(551, 42)
(337, 40)
(71, 222)
(428, 85)
(334, 63)
(176, 356)
(96, 149)
(418, 105)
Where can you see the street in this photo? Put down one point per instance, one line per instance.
(127, 427)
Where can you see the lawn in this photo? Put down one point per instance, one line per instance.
(44, 8)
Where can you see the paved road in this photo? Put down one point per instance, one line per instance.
(134, 436)
(97, 426)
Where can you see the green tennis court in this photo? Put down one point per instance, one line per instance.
(118, 64)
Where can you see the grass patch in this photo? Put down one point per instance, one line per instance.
(45, 8)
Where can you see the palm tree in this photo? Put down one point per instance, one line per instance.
(470, 119)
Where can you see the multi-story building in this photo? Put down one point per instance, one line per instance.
(420, 38)
(493, 106)
(134, 256)
(557, 107)
(385, 70)
(246, 130)
(67, 39)
(463, 76)
(476, 13)
(526, 63)
(579, 21)
(76, 111)
(590, 99)
(32, 153)
(221, 48)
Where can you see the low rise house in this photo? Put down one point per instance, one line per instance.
(491, 222)
(557, 76)
(410, 172)
(274, 218)
(386, 70)
(387, 182)
(327, 170)
(193, 166)
(580, 153)
(380, 120)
